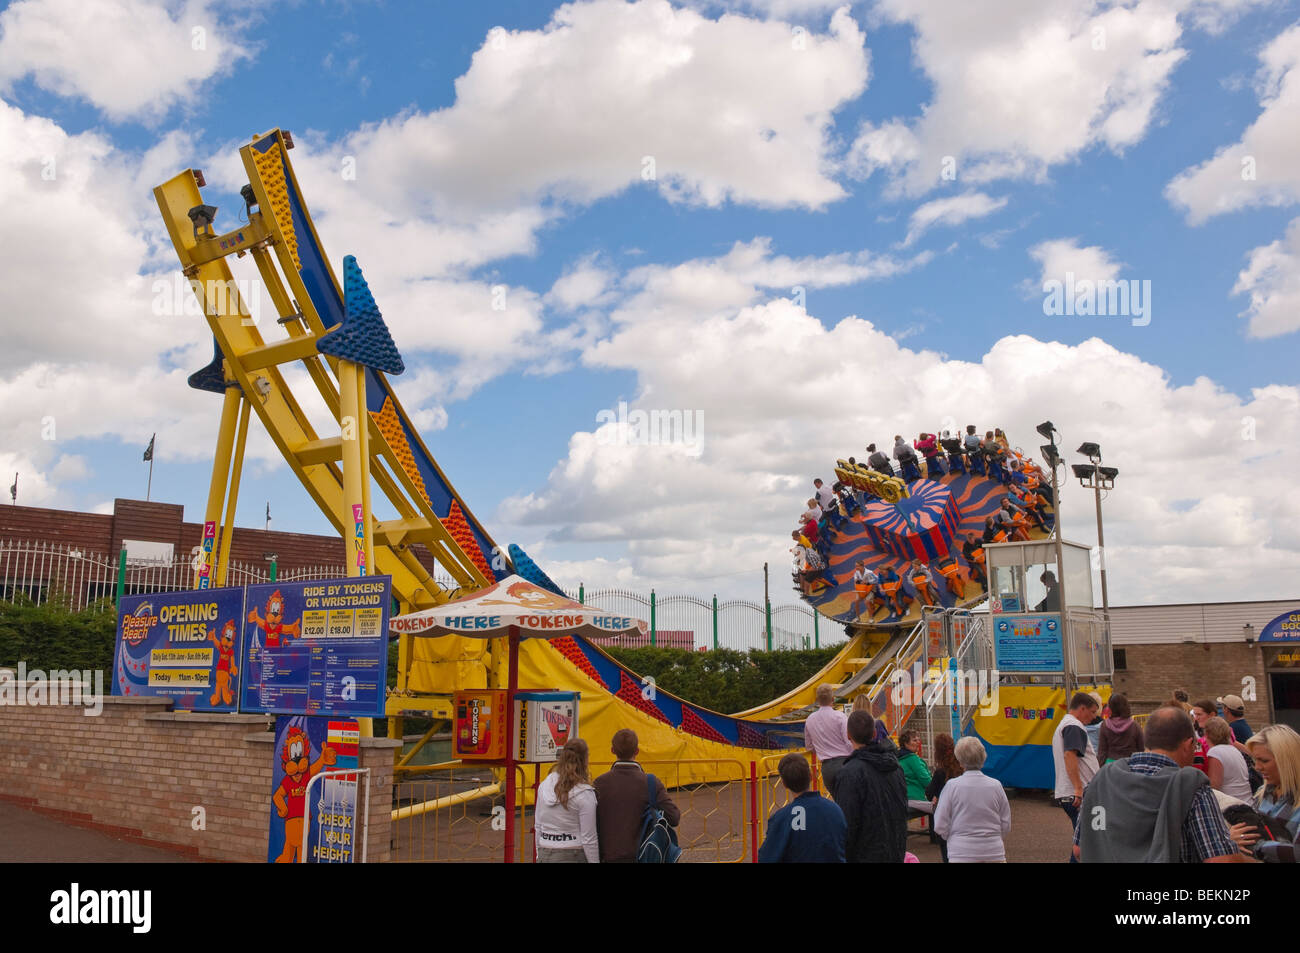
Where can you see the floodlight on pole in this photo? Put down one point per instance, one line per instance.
(1093, 476)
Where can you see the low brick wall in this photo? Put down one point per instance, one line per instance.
(139, 770)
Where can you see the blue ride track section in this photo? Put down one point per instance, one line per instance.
(318, 279)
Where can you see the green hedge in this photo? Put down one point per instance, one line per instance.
(48, 637)
(726, 680)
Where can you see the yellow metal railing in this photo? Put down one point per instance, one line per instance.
(455, 812)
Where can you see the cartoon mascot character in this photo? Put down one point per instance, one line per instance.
(274, 625)
(290, 798)
(226, 669)
(528, 596)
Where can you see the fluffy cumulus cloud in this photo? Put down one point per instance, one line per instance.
(1061, 257)
(744, 425)
(132, 59)
(97, 346)
(1260, 168)
(1022, 86)
(611, 95)
(1272, 279)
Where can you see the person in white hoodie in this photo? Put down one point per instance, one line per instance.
(565, 819)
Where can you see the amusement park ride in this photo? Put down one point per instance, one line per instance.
(334, 331)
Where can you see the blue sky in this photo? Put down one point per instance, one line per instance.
(774, 171)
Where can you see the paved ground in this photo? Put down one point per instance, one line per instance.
(30, 837)
(711, 831)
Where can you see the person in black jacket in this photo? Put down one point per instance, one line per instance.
(871, 791)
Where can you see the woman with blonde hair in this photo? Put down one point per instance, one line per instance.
(1276, 750)
(565, 820)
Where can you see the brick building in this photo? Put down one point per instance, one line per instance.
(105, 533)
(1209, 649)
(45, 551)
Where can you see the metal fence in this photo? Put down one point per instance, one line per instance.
(694, 622)
(75, 579)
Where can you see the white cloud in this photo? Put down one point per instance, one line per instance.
(584, 285)
(1260, 168)
(89, 353)
(1060, 257)
(1022, 86)
(952, 210)
(783, 395)
(1272, 279)
(132, 59)
(55, 190)
(726, 109)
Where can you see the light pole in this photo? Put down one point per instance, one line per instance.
(1093, 476)
(1053, 458)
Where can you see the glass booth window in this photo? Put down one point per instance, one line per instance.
(1009, 587)
(1078, 577)
(1042, 591)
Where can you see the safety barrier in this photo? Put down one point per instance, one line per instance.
(339, 819)
(449, 813)
(455, 812)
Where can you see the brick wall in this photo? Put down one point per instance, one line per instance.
(1205, 669)
(138, 770)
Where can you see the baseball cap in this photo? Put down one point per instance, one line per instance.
(1232, 703)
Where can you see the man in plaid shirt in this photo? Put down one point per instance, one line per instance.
(1151, 807)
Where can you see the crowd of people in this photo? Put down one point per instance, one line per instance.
(1195, 784)
(877, 787)
(1024, 506)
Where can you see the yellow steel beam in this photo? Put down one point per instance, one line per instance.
(324, 450)
(237, 242)
(232, 498)
(220, 469)
(281, 352)
(270, 397)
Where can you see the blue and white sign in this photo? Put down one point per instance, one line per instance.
(1029, 643)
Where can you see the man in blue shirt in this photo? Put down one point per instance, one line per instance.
(808, 830)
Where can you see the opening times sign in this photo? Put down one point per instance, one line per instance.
(304, 648)
(317, 648)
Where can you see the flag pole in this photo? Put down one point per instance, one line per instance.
(148, 455)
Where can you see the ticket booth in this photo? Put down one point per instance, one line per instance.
(1044, 625)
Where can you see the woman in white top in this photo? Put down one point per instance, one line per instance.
(565, 820)
(973, 813)
(1224, 763)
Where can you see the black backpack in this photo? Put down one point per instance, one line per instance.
(658, 839)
